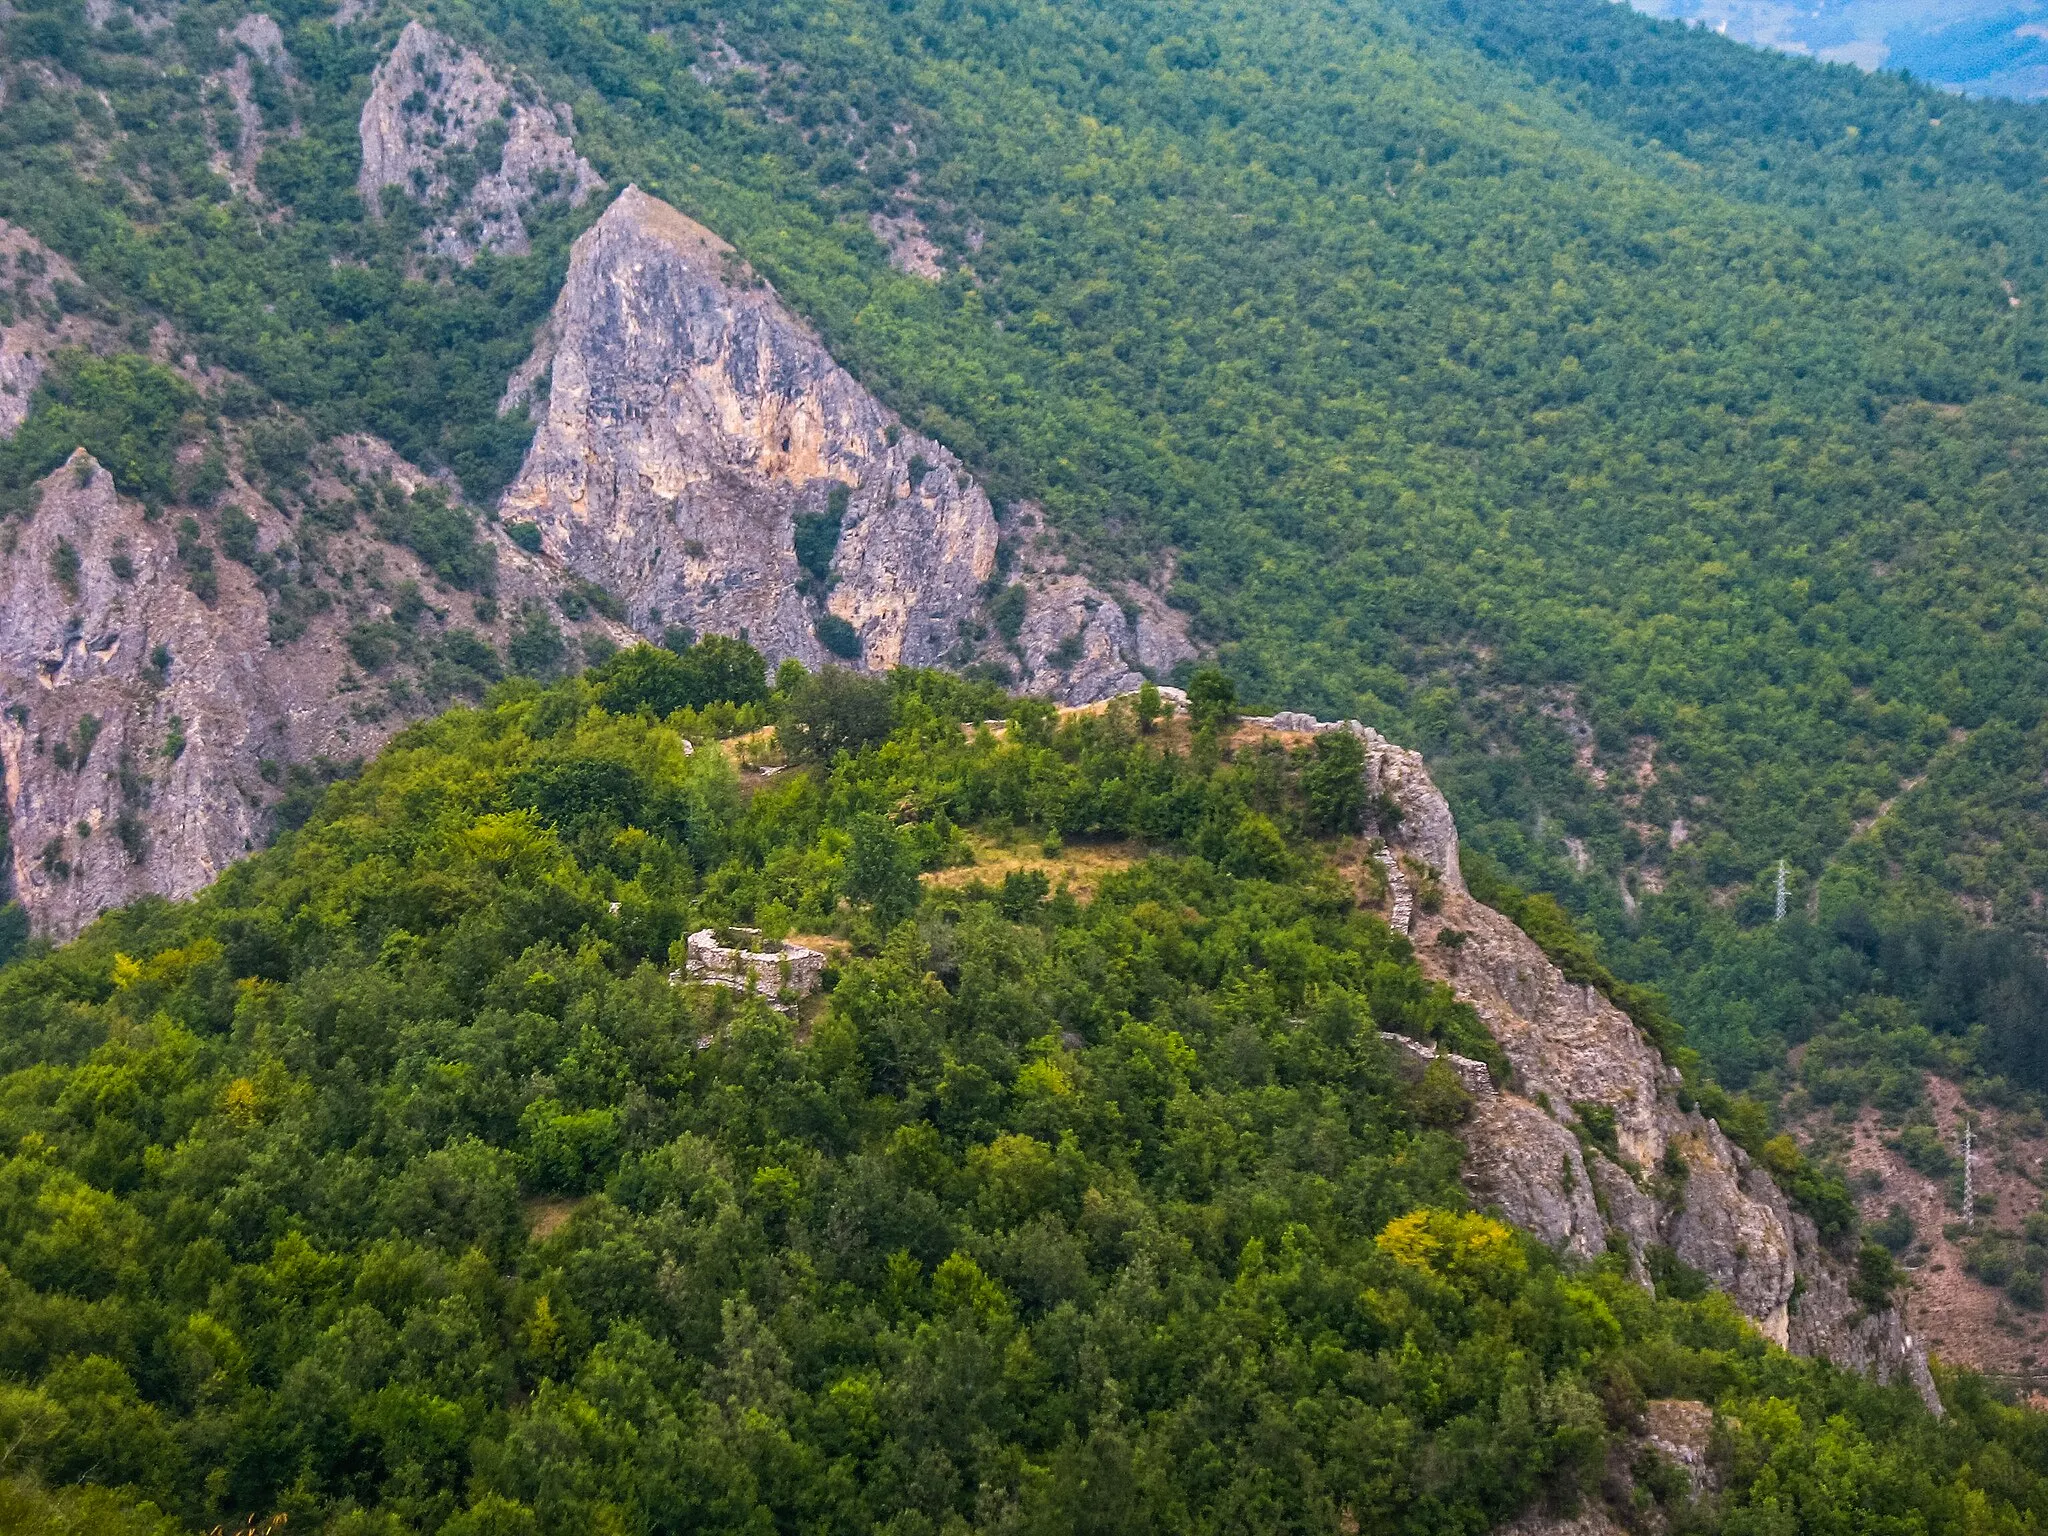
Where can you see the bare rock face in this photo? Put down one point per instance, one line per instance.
(691, 420)
(1076, 643)
(1681, 1430)
(1593, 1520)
(440, 124)
(1536, 1171)
(1425, 829)
(119, 785)
(1591, 1146)
(146, 734)
(259, 48)
(911, 251)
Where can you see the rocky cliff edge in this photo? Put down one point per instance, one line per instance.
(701, 455)
(1587, 1146)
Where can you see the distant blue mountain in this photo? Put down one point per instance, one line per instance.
(1986, 48)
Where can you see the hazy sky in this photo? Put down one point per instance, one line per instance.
(1983, 47)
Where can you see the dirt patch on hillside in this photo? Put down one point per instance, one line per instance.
(1959, 1317)
(546, 1215)
(1080, 867)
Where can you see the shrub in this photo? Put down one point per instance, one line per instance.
(1212, 699)
(537, 648)
(835, 711)
(838, 636)
(1334, 783)
(1006, 613)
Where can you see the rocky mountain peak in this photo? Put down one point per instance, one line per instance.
(478, 152)
(692, 425)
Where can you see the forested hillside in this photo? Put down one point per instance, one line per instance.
(394, 1184)
(1651, 431)
(1648, 428)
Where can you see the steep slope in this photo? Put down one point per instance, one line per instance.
(1589, 1146)
(33, 324)
(692, 426)
(162, 700)
(690, 419)
(440, 126)
(1040, 1214)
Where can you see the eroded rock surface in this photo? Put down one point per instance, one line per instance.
(1078, 643)
(440, 124)
(146, 735)
(690, 420)
(1591, 1146)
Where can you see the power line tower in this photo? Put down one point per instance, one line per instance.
(1969, 1178)
(1781, 893)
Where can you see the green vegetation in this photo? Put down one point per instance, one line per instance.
(658, 682)
(1647, 428)
(127, 412)
(838, 636)
(1650, 430)
(392, 1184)
(817, 538)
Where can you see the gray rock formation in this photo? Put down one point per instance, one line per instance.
(1545, 1185)
(145, 734)
(259, 43)
(1077, 644)
(440, 124)
(690, 420)
(1591, 1144)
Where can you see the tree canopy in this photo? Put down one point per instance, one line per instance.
(392, 1183)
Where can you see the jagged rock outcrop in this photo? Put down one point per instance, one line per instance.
(691, 425)
(690, 420)
(1544, 1184)
(478, 152)
(146, 734)
(1591, 1145)
(1077, 644)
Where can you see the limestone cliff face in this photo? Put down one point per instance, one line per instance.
(441, 125)
(1077, 643)
(690, 420)
(146, 734)
(118, 784)
(1669, 1176)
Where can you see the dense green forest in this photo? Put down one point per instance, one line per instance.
(392, 1185)
(1651, 431)
(1648, 428)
